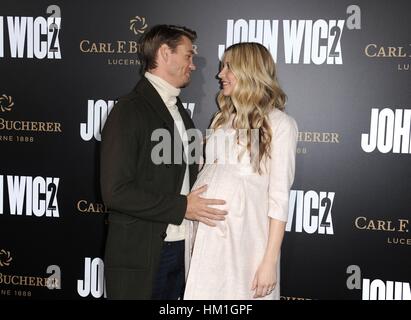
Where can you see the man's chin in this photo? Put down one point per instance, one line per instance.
(185, 84)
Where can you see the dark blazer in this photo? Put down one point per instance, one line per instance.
(142, 197)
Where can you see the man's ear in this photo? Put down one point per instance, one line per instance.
(164, 52)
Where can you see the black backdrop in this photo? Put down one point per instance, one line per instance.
(338, 61)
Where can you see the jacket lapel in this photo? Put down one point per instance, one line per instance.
(189, 124)
(145, 88)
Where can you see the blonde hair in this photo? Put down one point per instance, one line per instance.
(256, 94)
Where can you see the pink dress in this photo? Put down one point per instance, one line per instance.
(225, 258)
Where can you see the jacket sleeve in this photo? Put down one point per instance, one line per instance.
(120, 151)
(282, 166)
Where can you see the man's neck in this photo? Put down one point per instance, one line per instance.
(161, 74)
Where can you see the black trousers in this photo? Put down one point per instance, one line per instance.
(169, 281)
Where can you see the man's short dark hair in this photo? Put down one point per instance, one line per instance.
(159, 35)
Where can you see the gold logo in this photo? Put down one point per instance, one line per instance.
(138, 25)
(400, 53)
(317, 138)
(398, 228)
(6, 102)
(117, 49)
(5, 258)
(90, 207)
(373, 50)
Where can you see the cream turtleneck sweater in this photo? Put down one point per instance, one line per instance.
(169, 95)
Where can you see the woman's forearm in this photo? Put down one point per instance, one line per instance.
(275, 239)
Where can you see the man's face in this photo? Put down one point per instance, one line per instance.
(181, 64)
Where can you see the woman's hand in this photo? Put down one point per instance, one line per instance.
(265, 278)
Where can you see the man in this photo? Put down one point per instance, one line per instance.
(147, 201)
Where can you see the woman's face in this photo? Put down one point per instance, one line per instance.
(227, 79)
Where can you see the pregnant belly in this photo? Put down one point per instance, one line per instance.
(222, 184)
(205, 176)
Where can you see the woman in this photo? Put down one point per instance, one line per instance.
(250, 161)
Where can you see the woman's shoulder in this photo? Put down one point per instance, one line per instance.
(280, 118)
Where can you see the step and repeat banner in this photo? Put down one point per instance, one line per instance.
(345, 66)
